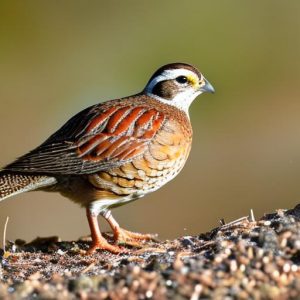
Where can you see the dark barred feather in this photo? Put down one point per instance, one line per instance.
(12, 184)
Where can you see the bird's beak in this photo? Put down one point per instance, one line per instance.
(207, 87)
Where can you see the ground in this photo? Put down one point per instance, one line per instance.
(244, 259)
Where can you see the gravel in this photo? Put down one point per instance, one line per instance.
(244, 259)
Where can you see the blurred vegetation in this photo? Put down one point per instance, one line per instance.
(58, 57)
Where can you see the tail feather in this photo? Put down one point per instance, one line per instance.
(12, 183)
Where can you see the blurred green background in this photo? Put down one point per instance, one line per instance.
(58, 57)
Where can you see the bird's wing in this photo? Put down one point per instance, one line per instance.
(100, 137)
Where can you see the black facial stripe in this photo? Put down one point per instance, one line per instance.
(165, 89)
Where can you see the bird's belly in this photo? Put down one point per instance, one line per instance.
(143, 175)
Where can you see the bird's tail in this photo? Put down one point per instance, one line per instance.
(13, 183)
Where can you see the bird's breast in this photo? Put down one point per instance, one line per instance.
(163, 159)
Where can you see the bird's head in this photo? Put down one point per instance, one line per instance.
(177, 84)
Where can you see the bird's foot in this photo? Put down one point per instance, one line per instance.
(125, 237)
(104, 245)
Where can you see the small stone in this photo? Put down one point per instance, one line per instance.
(60, 252)
(187, 242)
(149, 294)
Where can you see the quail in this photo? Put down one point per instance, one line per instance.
(115, 152)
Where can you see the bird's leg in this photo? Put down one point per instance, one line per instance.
(98, 241)
(126, 237)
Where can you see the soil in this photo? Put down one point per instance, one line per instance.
(244, 259)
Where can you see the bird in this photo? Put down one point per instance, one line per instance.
(115, 152)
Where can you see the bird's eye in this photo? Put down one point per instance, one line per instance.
(181, 79)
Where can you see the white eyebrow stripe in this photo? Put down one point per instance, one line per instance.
(168, 75)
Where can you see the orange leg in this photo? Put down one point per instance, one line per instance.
(98, 241)
(126, 237)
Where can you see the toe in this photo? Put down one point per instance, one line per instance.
(104, 246)
(134, 239)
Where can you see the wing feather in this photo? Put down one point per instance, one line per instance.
(100, 137)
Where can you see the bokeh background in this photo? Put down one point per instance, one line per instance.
(58, 57)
